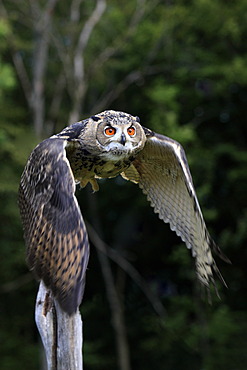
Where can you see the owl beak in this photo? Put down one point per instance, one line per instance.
(123, 139)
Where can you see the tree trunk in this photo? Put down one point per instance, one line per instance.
(61, 334)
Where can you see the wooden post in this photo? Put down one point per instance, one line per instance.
(61, 334)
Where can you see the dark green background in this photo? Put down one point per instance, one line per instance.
(181, 66)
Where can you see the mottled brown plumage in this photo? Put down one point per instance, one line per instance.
(105, 145)
(55, 234)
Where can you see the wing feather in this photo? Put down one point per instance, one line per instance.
(54, 230)
(162, 172)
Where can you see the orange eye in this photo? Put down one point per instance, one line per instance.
(131, 131)
(109, 131)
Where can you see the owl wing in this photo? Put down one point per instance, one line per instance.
(162, 172)
(54, 230)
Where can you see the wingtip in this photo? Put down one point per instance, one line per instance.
(219, 252)
(70, 301)
(68, 304)
(68, 308)
(220, 277)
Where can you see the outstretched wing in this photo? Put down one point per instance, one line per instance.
(54, 231)
(162, 172)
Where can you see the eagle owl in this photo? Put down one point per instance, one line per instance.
(105, 145)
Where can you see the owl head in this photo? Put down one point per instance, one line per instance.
(118, 135)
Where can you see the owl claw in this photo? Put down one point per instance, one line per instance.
(93, 183)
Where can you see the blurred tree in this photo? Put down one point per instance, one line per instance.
(17, 333)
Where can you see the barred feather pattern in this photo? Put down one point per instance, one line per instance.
(162, 172)
(54, 230)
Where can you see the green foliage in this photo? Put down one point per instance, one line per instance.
(190, 61)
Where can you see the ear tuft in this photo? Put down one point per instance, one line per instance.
(95, 118)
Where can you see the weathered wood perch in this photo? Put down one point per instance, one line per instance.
(61, 334)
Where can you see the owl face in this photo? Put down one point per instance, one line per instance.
(119, 135)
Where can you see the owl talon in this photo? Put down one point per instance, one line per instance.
(93, 182)
(83, 183)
